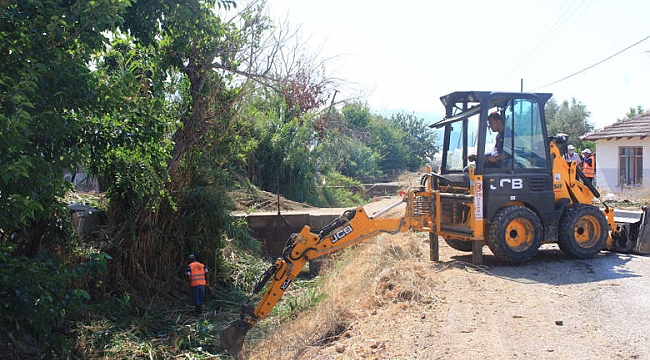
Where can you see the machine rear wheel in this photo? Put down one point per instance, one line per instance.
(583, 231)
(515, 234)
(459, 245)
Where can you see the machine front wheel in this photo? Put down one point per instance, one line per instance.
(583, 231)
(514, 234)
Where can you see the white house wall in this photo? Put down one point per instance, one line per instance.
(607, 165)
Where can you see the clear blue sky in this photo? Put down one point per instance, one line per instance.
(405, 54)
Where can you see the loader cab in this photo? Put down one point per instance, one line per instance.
(523, 172)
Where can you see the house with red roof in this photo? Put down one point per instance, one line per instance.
(623, 156)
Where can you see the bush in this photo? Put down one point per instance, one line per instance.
(341, 191)
(37, 294)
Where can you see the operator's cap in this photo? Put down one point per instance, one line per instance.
(191, 257)
(586, 151)
(571, 147)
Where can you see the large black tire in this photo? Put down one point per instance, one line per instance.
(583, 231)
(459, 245)
(515, 234)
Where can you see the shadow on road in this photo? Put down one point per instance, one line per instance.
(551, 266)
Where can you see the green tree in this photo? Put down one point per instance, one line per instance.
(362, 145)
(46, 92)
(388, 141)
(420, 140)
(357, 115)
(350, 144)
(77, 90)
(404, 142)
(45, 85)
(284, 121)
(349, 155)
(127, 142)
(183, 65)
(283, 158)
(634, 112)
(569, 118)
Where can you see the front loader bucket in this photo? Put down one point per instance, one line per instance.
(232, 337)
(633, 232)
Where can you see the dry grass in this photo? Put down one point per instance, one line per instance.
(383, 278)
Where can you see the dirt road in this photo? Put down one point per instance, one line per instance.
(552, 307)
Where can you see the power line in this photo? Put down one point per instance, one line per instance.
(562, 18)
(596, 64)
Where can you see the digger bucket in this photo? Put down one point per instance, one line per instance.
(232, 337)
(633, 232)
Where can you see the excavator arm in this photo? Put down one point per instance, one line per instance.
(353, 227)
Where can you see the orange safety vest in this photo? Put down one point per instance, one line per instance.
(588, 169)
(197, 274)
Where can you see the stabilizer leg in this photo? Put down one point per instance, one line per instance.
(434, 247)
(477, 252)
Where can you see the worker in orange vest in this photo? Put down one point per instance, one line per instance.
(197, 275)
(588, 165)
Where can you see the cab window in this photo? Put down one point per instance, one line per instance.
(463, 133)
(524, 135)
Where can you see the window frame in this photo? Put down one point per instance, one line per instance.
(630, 155)
(511, 109)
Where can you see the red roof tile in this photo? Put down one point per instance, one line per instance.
(637, 126)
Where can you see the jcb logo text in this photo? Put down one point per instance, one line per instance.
(285, 284)
(513, 184)
(341, 234)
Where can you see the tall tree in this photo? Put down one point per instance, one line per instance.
(189, 67)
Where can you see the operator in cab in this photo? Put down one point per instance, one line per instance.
(495, 122)
(494, 156)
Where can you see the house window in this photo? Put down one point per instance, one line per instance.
(630, 168)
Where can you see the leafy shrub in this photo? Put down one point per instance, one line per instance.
(38, 293)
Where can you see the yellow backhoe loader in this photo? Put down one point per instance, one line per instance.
(507, 187)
